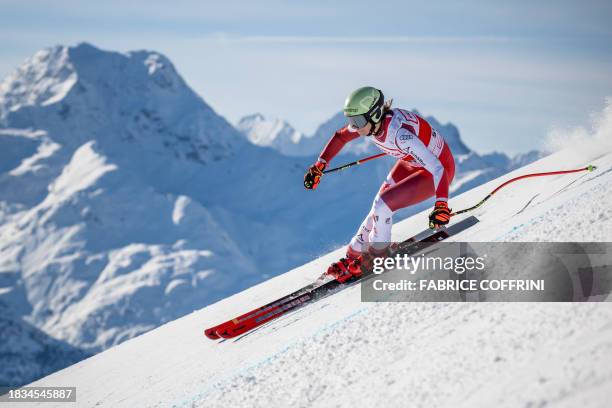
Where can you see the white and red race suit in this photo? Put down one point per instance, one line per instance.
(425, 168)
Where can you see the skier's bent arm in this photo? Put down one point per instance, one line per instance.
(431, 163)
(336, 143)
(442, 188)
(441, 213)
(312, 178)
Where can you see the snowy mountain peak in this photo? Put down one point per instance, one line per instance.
(274, 133)
(141, 66)
(43, 79)
(255, 117)
(81, 93)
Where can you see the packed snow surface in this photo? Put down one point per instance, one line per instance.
(342, 352)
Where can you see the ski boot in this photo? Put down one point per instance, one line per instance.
(351, 266)
(345, 269)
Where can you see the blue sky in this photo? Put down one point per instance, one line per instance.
(505, 73)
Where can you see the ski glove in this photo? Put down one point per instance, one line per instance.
(313, 176)
(440, 215)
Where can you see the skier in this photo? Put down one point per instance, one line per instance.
(425, 168)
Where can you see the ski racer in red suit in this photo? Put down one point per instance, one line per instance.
(425, 168)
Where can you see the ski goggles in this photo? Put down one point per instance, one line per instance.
(357, 121)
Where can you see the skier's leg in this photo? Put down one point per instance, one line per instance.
(405, 186)
(417, 185)
(380, 235)
(383, 213)
(379, 210)
(361, 239)
(411, 186)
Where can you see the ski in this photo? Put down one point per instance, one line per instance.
(318, 290)
(211, 333)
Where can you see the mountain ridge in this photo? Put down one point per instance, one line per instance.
(264, 132)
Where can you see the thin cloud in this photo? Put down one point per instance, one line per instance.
(306, 39)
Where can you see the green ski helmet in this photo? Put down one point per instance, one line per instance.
(363, 106)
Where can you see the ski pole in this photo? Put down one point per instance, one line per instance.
(549, 173)
(355, 163)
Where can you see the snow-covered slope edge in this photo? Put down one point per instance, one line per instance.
(342, 352)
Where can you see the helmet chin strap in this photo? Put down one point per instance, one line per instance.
(372, 131)
(369, 116)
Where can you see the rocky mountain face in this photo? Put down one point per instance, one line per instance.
(27, 353)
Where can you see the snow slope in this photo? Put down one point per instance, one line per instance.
(341, 352)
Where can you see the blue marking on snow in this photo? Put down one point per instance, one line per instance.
(516, 228)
